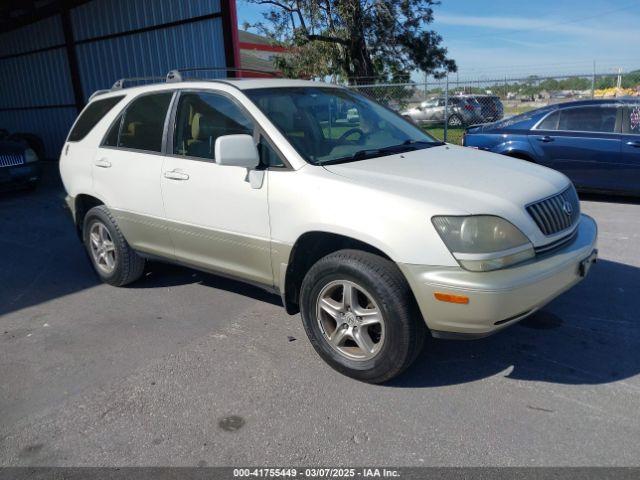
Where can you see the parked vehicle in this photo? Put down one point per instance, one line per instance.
(463, 110)
(375, 232)
(33, 141)
(19, 166)
(492, 108)
(596, 143)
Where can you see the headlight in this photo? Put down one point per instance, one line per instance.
(483, 242)
(30, 156)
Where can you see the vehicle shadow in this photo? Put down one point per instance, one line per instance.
(589, 335)
(160, 274)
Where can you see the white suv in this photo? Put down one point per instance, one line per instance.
(373, 230)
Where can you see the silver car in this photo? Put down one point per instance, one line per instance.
(462, 111)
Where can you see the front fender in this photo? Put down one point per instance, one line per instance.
(513, 147)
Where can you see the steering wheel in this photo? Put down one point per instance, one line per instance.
(350, 132)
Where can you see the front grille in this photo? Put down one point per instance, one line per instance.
(561, 242)
(10, 160)
(557, 213)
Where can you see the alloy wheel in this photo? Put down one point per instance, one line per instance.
(102, 248)
(350, 320)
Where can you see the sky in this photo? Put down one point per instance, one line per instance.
(513, 38)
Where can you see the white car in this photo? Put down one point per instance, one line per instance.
(377, 233)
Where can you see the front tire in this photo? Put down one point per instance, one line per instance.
(360, 315)
(113, 259)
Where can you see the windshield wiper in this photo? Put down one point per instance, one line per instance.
(423, 142)
(406, 146)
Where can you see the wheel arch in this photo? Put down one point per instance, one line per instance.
(82, 204)
(306, 251)
(519, 154)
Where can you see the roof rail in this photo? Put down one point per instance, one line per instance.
(176, 74)
(120, 83)
(97, 93)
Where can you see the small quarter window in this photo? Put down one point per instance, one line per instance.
(90, 117)
(268, 156)
(111, 139)
(550, 122)
(143, 122)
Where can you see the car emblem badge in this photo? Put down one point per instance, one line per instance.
(567, 208)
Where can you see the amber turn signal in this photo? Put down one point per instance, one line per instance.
(448, 297)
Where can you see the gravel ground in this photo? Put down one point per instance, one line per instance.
(185, 368)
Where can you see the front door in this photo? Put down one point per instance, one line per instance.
(216, 219)
(127, 169)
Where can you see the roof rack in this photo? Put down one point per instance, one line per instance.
(176, 74)
(120, 83)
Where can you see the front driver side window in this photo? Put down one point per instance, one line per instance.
(201, 118)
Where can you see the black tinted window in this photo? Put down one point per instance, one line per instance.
(550, 122)
(268, 156)
(111, 139)
(202, 118)
(143, 122)
(632, 119)
(91, 116)
(588, 119)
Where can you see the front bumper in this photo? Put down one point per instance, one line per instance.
(500, 298)
(19, 175)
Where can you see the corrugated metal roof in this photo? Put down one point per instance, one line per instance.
(42, 34)
(36, 80)
(105, 17)
(151, 53)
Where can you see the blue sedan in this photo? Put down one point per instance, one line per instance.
(596, 143)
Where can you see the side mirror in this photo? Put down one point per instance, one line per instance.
(236, 151)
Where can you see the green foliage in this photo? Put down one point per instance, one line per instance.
(360, 41)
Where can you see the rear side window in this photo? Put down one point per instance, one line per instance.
(91, 116)
(142, 126)
(588, 119)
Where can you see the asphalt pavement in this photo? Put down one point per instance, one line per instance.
(185, 368)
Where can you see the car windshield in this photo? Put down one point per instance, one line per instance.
(333, 125)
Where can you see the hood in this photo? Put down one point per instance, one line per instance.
(458, 180)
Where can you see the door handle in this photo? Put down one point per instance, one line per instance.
(545, 139)
(103, 163)
(175, 175)
(634, 143)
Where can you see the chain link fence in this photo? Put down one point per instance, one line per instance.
(445, 107)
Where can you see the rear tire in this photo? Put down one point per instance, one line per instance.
(348, 338)
(113, 259)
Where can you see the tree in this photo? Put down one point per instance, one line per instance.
(358, 40)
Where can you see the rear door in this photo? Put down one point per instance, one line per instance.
(583, 142)
(127, 170)
(630, 181)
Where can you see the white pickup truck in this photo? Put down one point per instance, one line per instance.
(376, 232)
